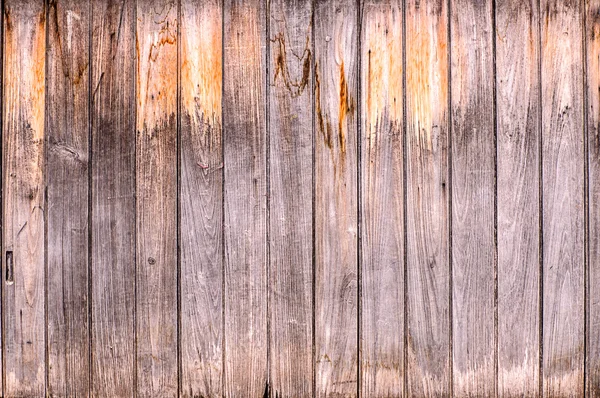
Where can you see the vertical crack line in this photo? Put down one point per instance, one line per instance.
(586, 202)
(495, 154)
(313, 155)
(359, 201)
(540, 207)
(223, 274)
(135, 212)
(2, 200)
(90, 197)
(178, 199)
(404, 210)
(450, 274)
(267, 132)
(45, 179)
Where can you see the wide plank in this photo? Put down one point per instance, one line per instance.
(382, 234)
(562, 197)
(24, 198)
(67, 87)
(290, 120)
(156, 201)
(518, 150)
(113, 199)
(427, 191)
(473, 195)
(336, 208)
(245, 151)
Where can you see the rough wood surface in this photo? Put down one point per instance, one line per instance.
(382, 201)
(113, 198)
(290, 119)
(245, 199)
(563, 198)
(518, 134)
(428, 267)
(473, 215)
(201, 199)
(68, 166)
(24, 192)
(156, 204)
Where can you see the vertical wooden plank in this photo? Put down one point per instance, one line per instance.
(67, 169)
(473, 214)
(24, 197)
(563, 195)
(382, 200)
(244, 124)
(156, 205)
(291, 195)
(113, 198)
(336, 211)
(592, 60)
(201, 200)
(428, 267)
(518, 124)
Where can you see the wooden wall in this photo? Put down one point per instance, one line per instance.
(300, 198)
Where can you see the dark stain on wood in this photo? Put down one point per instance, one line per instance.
(294, 86)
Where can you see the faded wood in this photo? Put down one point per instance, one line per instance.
(473, 214)
(563, 198)
(201, 199)
(24, 204)
(290, 118)
(518, 176)
(156, 203)
(245, 201)
(382, 201)
(67, 168)
(336, 212)
(113, 199)
(428, 267)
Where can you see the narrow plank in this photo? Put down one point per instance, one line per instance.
(473, 217)
(67, 169)
(518, 116)
(113, 198)
(382, 200)
(336, 208)
(24, 194)
(562, 196)
(201, 200)
(593, 124)
(156, 205)
(428, 267)
(291, 194)
(244, 125)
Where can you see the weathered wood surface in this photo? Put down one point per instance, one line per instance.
(518, 176)
(300, 198)
(67, 169)
(245, 201)
(201, 199)
(382, 201)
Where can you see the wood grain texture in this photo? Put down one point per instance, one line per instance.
(518, 134)
(245, 198)
(336, 209)
(473, 174)
(428, 267)
(156, 205)
(593, 125)
(113, 198)
(67, 86)
(382, 200)
(24, 194)
(201, 200)
(291, 194)
(563, 198)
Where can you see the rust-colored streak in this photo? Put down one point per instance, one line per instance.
(324, 125)
(346, 107)
(294, 86)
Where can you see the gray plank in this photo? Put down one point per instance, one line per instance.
(563, 198)
(156, 204)
(113, 198)
(291, 190)
(382, 200)
(473, 218)
(336, 208)
(244, 125)
(201, 199)
(428, 267)
(518, 134)
(67, 169)
(24, 192)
